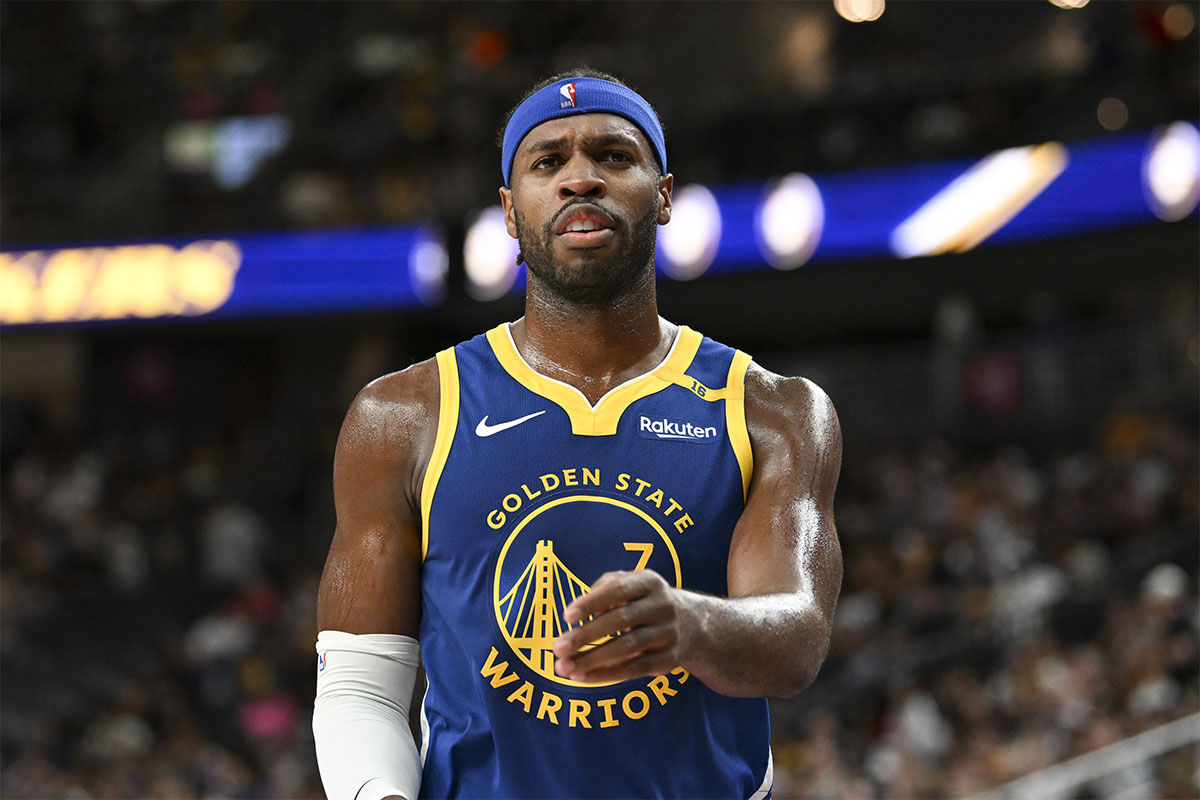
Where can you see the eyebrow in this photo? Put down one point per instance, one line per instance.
(602, 140)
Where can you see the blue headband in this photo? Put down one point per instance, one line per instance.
(580, 96)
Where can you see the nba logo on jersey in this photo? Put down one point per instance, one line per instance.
(568, 91)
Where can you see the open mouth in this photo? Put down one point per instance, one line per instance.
(586, 225)
(586, 238)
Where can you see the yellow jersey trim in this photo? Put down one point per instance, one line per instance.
(601, 419)
(447, 424)
(735, 418)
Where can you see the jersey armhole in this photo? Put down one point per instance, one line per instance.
(735, 418)
(447, 425)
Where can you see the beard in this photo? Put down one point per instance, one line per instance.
(599, 280)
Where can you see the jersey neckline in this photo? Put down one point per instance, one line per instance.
(601, 419)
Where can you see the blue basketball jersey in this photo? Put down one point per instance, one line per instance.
(532, 494)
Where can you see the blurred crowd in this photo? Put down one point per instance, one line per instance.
(1002, 610)
(114, 114)
(157, 623)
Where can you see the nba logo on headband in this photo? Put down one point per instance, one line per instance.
(561, 99)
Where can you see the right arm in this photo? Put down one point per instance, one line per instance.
(372, 577)
(368, 606)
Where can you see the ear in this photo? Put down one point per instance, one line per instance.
(510, 214)
(666, 184)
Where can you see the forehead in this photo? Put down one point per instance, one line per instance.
(579, 128)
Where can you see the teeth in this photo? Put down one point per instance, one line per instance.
(580, 225)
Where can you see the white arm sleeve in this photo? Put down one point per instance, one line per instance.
(365, 749)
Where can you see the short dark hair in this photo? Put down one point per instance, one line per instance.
(577, 72)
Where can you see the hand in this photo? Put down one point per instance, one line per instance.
(657, 627)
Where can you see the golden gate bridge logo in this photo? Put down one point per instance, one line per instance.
(529, 611)
(532, 610)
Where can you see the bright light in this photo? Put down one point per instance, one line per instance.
(428, 264)
(804, 52)
(1112, 113)
(1070, 3)
(489, 255)
(789, 222)
(1171, 171)
(690, 241)
(980, 201)
(231, 149)
(1178, 21)
(859, 10)
(243, 143)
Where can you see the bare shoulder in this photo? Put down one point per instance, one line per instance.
(793, 427)
(393, 422)
(777, 405)
(388, 403)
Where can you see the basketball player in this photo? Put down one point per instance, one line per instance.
(612, 537)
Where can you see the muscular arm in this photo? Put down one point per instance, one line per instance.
(771, 634)
(369, 598)
(371, 582)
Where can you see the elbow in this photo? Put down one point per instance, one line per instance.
(796, 681)
(809, 655)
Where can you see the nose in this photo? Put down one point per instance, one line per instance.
(580, 177)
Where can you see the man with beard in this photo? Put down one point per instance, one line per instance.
(613, 537)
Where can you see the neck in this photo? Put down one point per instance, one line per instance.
(592, 347)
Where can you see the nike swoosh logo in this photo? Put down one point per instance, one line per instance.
(483, 429)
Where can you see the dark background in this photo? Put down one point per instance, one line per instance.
(1018, 506)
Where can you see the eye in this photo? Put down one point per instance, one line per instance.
(546, 162)
(617, 156)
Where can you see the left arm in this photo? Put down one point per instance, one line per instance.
(771, 634)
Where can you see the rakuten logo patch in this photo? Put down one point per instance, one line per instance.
(673, 429)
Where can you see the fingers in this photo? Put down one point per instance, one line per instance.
(612, 589)
(633, 628)
(642, 666)
(634, 616)
(646, 647)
